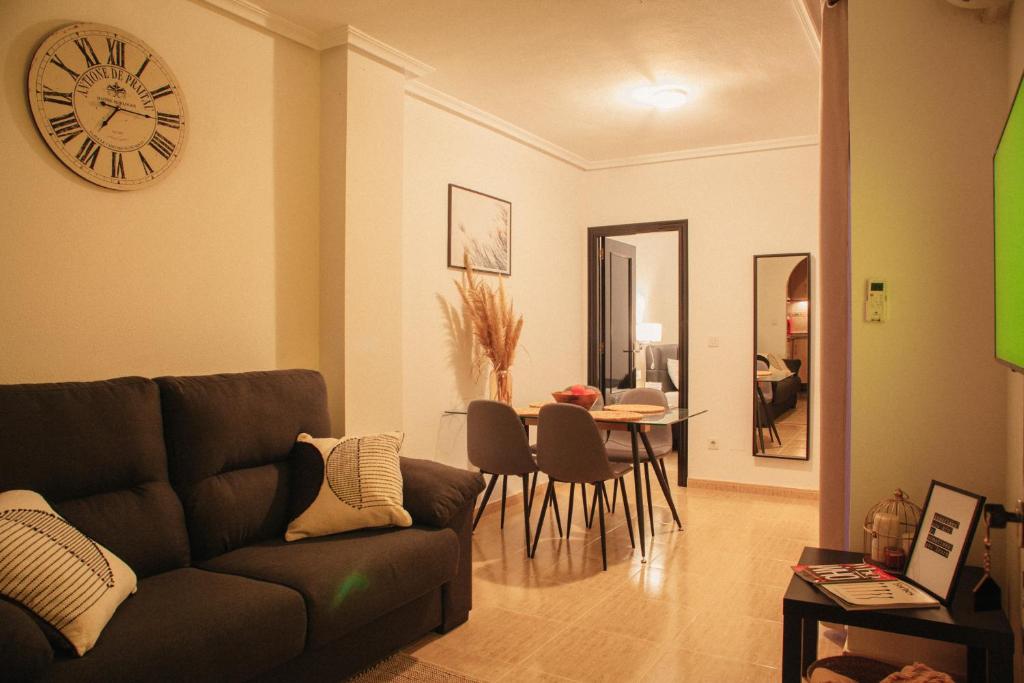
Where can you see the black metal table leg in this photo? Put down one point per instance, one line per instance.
(809, 647)
(638, 486)
(659, 474)
(792, 640)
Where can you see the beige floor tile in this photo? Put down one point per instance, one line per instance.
(624, 613)
(696, 667)
(584, 654)
(725, 634)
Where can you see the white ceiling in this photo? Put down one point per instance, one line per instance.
(563, 69)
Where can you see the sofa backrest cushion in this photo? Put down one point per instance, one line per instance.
(229, 438)
(95, 452)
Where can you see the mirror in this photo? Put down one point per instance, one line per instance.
(782, 355)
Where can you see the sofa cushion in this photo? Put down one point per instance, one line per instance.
(229, 438)
(433, 492)
(95, 452)
(25, 652)
(192, 625)
(350, 579)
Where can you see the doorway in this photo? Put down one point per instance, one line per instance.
(612, 322)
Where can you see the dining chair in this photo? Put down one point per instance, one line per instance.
(588, 519)
(497, 444)
(620, 447)
(571, 449)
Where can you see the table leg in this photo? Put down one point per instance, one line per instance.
(809, 648)
(639, 493)
(792, 640)
(659, 474)
(976, 666)
(1000, 665)
(757, 422)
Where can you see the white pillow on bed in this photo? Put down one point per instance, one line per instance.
(673, 371)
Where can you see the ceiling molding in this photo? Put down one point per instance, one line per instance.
(264, 19)
(702, 152)
(810, 24)
(354, 38)
(467, 111)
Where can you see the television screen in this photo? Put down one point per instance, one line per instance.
(1008, 165)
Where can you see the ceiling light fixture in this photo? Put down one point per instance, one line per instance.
(661, 96)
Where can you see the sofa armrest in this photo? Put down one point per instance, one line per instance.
(25, 653)
(434, 493)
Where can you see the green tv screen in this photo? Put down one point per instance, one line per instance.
(1009, 237)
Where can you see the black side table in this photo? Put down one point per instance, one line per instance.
(987, 635)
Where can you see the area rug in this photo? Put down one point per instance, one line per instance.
(402, 667)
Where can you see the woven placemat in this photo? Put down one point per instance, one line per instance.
(641, 408)
(540, 404)
(529, 411)
(402, 667)
(614, 415)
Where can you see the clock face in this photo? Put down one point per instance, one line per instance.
(107, 105)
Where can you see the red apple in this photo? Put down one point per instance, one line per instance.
(578, 389)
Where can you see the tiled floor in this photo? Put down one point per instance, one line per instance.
(706, 607)
(792, 428)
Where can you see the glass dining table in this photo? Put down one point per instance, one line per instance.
(638, 427)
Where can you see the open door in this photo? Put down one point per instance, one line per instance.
(617, 263)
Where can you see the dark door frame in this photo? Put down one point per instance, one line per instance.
(594, 237)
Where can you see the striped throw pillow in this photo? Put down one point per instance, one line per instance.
(58, 573)
(345, 484)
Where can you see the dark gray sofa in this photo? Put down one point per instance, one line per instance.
(187, 480)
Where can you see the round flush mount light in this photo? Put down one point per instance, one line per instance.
(661, 96)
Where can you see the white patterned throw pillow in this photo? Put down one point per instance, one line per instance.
(58, 573)
(345, 484)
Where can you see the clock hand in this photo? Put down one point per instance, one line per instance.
(110, 116)
(136, 113)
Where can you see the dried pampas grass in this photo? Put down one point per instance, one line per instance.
(496, 327)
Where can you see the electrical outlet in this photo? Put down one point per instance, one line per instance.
(712, 444)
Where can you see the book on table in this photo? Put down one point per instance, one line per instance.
(864, 586)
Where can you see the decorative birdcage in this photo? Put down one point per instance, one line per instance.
(889, 529)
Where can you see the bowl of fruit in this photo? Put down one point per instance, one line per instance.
(578, 395)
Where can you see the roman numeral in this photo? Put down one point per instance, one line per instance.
(115, 52)
(162, 91)
(169, 120)
(88, 152)
(116, 165)
(71, 72)
(145, 164)
(162, 145)
(51, 95)
(138, 74)
(85, 46)
(66, 127)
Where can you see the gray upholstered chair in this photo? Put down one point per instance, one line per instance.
(571, 449)
(620, 447)
(498, 445)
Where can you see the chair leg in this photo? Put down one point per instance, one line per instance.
(599, 495)
(526, 511)
(625, 506)
(615, 496)
(540, 522)
(554, 504)
(588, 518)
(487, 496)
(607, 505)
(568, 516)
(533, 487)
(650, 503)
(593, 505)
(504, 494)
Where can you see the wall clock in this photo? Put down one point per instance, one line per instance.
(108, 106)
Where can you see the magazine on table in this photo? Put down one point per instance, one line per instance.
(863, 586)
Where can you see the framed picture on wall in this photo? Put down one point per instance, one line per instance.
(943, 539)
(480, 227)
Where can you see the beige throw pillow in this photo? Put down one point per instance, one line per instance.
(345, 484)
(58, 573)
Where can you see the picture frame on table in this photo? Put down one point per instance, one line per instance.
(480, 227)
(943, 539)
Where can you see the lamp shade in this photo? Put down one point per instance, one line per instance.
(648, 332)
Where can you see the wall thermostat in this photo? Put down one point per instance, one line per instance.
(876, 303)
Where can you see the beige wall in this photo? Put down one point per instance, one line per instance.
(772, 294)
(547, 282)
(928, 400)
(657, 281)
(737, 206)
(213, 269)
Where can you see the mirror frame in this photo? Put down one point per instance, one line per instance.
(810, 375)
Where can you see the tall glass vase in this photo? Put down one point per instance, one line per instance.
(500, 385)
